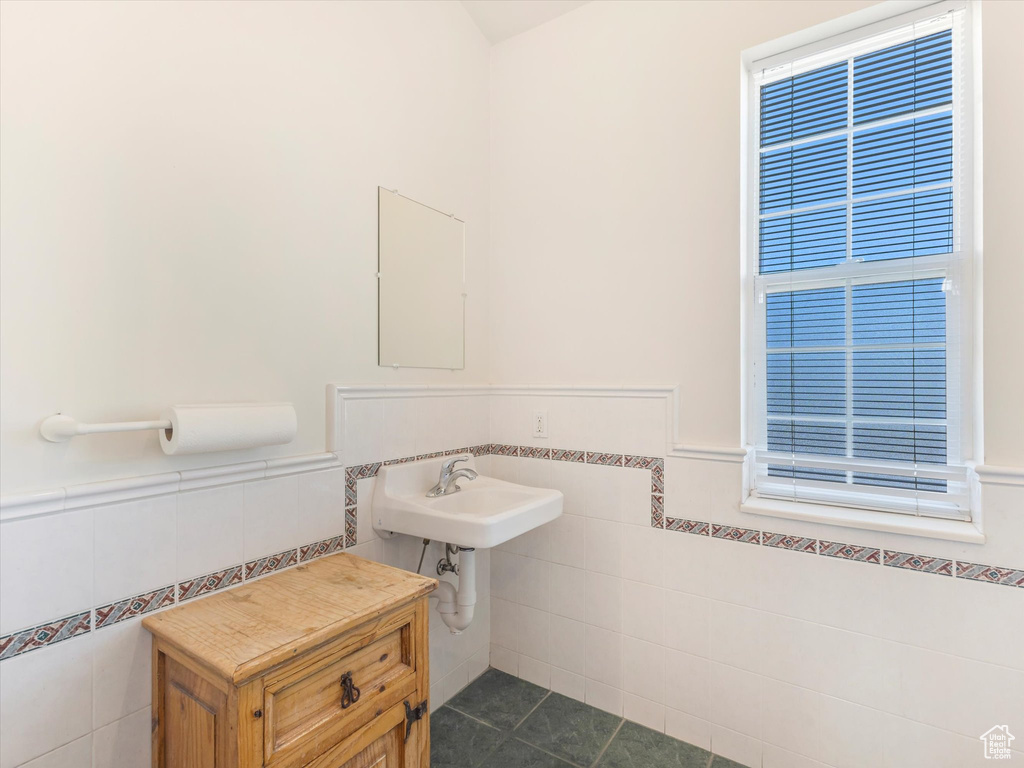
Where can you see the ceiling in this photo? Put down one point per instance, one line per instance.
(501, 19)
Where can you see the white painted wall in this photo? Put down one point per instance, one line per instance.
(189, 209)
(615, 193)
(189, 214)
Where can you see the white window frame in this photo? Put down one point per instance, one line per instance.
(963, 448)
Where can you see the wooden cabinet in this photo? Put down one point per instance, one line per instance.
(320, 666)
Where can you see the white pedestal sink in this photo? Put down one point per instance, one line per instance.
(485, 513)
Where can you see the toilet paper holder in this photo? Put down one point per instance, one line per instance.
(60, 428)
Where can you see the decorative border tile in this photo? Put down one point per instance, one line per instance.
(607, 459)
(500, 449)
(211, 582)
(531, 452)
(321, 548)
(792, 543)
(1011, 577)
(351, 526)
(363, 471)
(921, 563)
(264, 565)
(658, 511)
(134, 606)
(745, 535)
(45, 634)
(850, 552)
(639, 462)
(698, 527)
(562, 454)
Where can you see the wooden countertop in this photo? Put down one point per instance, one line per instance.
(244, 631)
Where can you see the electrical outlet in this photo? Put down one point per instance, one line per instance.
(540, 423)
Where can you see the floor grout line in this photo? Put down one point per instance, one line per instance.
(534, 709)
(622, 722)
(559, 758)
(471, 717)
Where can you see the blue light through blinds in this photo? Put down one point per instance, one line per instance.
(905, 78)
(856, 168)
(858, 165)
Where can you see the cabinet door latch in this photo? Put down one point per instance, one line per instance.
(412, 714)
(349, 692)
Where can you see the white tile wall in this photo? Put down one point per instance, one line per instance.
(36, 586)
(771, 658)
(270, 516)
(321, 505)
(209, 530)
(135, 548)
(760, 654)
(121, 666)
(74, 755)
(45, 700)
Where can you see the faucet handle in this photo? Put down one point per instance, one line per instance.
(449, 464)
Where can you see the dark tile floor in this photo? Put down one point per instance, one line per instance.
(499, 721)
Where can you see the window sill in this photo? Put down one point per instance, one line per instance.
(865, 519)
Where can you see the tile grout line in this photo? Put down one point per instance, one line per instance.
(543, 698)
(559, 758)
(622, 722)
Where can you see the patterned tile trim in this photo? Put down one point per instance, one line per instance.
(746, 535)
(264, 565)
(321, 548)
(82, 623)
(639, 462)
(134, 606)
(45, 634)
(658, 511)
(1011, 577)
(698, 527)
(211, 582)
(530, 452)
(561, 454)
(794, 543)
(608, 459)
(351, 527)
(850, 552)
(922, 563)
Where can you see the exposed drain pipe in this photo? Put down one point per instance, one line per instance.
(456, 606)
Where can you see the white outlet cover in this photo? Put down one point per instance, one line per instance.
(540, 424)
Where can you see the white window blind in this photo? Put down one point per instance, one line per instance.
(860, 278)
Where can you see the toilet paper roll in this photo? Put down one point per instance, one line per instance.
(207, 428)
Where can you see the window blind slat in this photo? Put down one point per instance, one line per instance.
(856, 377)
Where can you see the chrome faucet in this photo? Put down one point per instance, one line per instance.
(446, 483)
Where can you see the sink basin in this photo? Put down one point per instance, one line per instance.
(485, 513)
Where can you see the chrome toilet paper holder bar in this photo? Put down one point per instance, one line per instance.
(60, 428)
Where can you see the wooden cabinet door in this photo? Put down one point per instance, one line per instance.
(382, 743)
(194, 728)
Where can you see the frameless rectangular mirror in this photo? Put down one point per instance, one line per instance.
(421, 284)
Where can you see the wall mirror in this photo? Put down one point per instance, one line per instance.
(421, 284)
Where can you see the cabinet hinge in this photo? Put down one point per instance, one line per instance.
(412, 714)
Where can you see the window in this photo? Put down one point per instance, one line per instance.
(860, 290)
